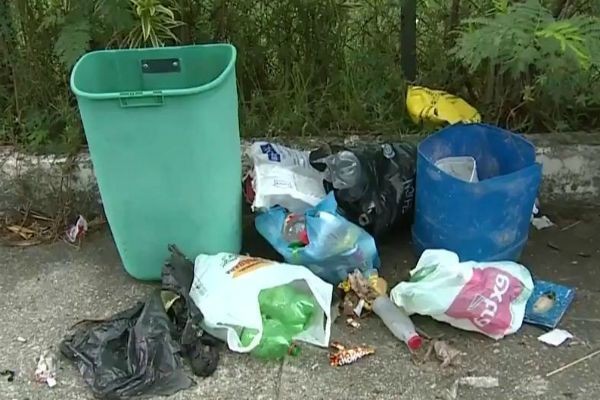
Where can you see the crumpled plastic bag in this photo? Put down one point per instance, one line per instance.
(437, 107)
(335, 246)
(377, 189)
(283, 176)
(139, 351)
(229, 289)
(486, 297)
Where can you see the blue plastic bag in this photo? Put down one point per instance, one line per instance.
(336, 246)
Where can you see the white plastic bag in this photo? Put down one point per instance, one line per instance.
(284, 177)
(226, 289)
(487, 297)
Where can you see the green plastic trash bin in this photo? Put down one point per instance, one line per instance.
(163, 133)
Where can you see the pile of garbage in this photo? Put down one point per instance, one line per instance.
(324, 212)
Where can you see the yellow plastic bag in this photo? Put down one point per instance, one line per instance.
(436, 107)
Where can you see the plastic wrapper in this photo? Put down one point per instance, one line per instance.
(282, 176)
(373, 184)
(335, 247)
(344, 356)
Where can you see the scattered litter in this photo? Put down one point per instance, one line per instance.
(274, 300)
(489, 297)
(437, 107)
(574, 262)
(555, 337)
(353, 323)
(363, 287)
(574, 224)
(374, 184)
(77, 231)
(548, 304)
(553, 246)
(444, 352)
(360, 290)
(139, 351)
(348, 305)
(571, 364)
(359, 308)
(314, 366)
(344, 356)
(535, 385)
(45, 371)
(542, 222)
(9, 373)
(335, 245)
(21, 339)
(584, 255)
(479, 382)
(282, 176)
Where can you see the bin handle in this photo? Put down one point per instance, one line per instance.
(141, 99)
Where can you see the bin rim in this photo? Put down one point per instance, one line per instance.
(516, 136)
(166, 92)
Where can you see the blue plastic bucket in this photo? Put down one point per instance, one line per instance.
(480, 221)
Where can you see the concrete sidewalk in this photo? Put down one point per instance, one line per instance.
(45, 290)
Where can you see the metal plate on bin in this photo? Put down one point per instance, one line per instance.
(161, 65)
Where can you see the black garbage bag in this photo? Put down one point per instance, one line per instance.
(139, 351)
(201, 349)
(130, 354)
(374, 184)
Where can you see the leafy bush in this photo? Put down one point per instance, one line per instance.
(311, 66)
(533, 71)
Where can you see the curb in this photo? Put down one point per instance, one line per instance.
(571, 172)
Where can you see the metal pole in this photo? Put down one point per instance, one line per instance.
(408, 39)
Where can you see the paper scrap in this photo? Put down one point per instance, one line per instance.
(555, 337)
(542, 222)
(480, 382)
(78, 230)
(359, 307)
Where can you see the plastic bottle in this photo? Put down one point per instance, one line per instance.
(344, 169)
(294, 229)
(397, 322)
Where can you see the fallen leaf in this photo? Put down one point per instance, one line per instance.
(445, 352)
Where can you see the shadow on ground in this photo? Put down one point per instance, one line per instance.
(44, 290)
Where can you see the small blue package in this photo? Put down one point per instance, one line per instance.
(334, 246)
(548, 303)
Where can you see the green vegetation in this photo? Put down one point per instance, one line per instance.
(309, 67)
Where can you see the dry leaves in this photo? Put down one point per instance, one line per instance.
(362, 287)
(25, 227)
(444, 352)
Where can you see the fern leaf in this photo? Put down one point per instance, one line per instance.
(73, 41)
(569, 36)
